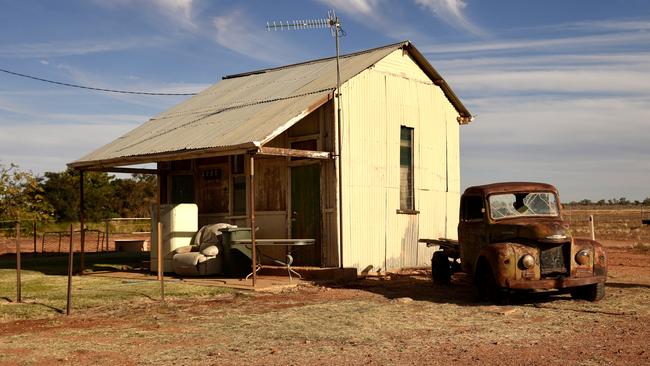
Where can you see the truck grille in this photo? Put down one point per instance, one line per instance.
(554, 260)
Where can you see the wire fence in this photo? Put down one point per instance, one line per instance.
(620, 223)
(42, 237)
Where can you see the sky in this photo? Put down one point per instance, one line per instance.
(560, 89)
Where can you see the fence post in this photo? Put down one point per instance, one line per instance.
(108, 227)
(591, 223)
(34, 233)
(18, 282)
(70, 265)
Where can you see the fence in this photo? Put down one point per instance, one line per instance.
(620, 223)
(45, 237)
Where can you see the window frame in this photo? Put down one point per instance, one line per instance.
(407, 204)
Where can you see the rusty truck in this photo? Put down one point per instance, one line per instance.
(511, 236)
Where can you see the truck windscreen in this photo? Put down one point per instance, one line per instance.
(509, 205)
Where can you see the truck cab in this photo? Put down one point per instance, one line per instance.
(511, 236)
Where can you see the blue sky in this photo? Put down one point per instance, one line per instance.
(561, 89)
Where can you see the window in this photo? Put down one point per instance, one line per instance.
(509, 205)
(238, 186)
(472, 208)
(406, 198)
(182, 189)
(213, 189)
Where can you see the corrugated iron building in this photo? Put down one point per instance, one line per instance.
(399, 158)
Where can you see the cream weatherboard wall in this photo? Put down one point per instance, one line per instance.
(396, 92)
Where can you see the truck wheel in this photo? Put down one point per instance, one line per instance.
(440, 269)
(487, 288)
(593, 292)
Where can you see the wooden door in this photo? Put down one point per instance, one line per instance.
(306, 213)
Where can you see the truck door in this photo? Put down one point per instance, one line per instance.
(471, 230)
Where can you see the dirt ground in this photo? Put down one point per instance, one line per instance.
(401, 319)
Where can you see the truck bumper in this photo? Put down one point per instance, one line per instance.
(554, 283)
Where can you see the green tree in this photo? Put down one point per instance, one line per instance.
(62, 191)
(21, 195)
(134, 196)
(105, 196)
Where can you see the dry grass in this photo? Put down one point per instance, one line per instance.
(616, 224)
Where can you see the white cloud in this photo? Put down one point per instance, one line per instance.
(554, 44)
(44, 147)
(235, 32)
(179, 12)
(77, 47)
(451, 12)
(374, 14)
(589, 147)
(358, 8)
(593, 26)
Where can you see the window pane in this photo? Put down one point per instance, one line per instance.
(406, 168)
(509, 205)
(239, 195)
(182, 189)
(213, 190)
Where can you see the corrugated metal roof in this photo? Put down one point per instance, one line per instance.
(241, 111)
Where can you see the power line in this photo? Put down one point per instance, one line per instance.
(90, 87)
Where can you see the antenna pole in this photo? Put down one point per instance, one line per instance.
(332, 22)
(339, 142)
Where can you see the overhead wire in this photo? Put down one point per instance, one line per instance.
(90, 87)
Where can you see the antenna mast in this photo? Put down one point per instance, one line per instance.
(332, 22)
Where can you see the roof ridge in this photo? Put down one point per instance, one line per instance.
(262, 71)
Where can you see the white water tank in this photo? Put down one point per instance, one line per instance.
(179, 224)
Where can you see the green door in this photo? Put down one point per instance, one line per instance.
(305, 213)
(182, 189)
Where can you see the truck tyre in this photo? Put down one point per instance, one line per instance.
(593, 292)
(487, 288)
(440, 269)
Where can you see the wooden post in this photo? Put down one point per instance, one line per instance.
(82, 264)
(19, 297)
(159, 244)
(108, 228)
(591, 223)
(251, 202)
(34, 234)
(68, 306)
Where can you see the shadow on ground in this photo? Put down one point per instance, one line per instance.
(58, 264)
(418, 286)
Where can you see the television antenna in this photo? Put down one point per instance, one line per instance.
(333, 23)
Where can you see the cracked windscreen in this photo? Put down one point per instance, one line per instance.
(510, 205)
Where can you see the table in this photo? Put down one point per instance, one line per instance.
(289, 243)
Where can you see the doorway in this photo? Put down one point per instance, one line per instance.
(306, 213)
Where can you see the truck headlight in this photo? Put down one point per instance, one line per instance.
(583, 257)
(528, 261)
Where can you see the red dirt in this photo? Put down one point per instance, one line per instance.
(443, 325)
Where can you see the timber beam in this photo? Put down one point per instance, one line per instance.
(294, 153)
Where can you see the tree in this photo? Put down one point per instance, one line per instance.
(62, 191)
(105, 196)
(134, 196)
(21, 196)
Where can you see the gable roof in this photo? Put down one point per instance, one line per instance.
(245, 111)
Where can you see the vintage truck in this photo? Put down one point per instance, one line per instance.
(511, 236)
